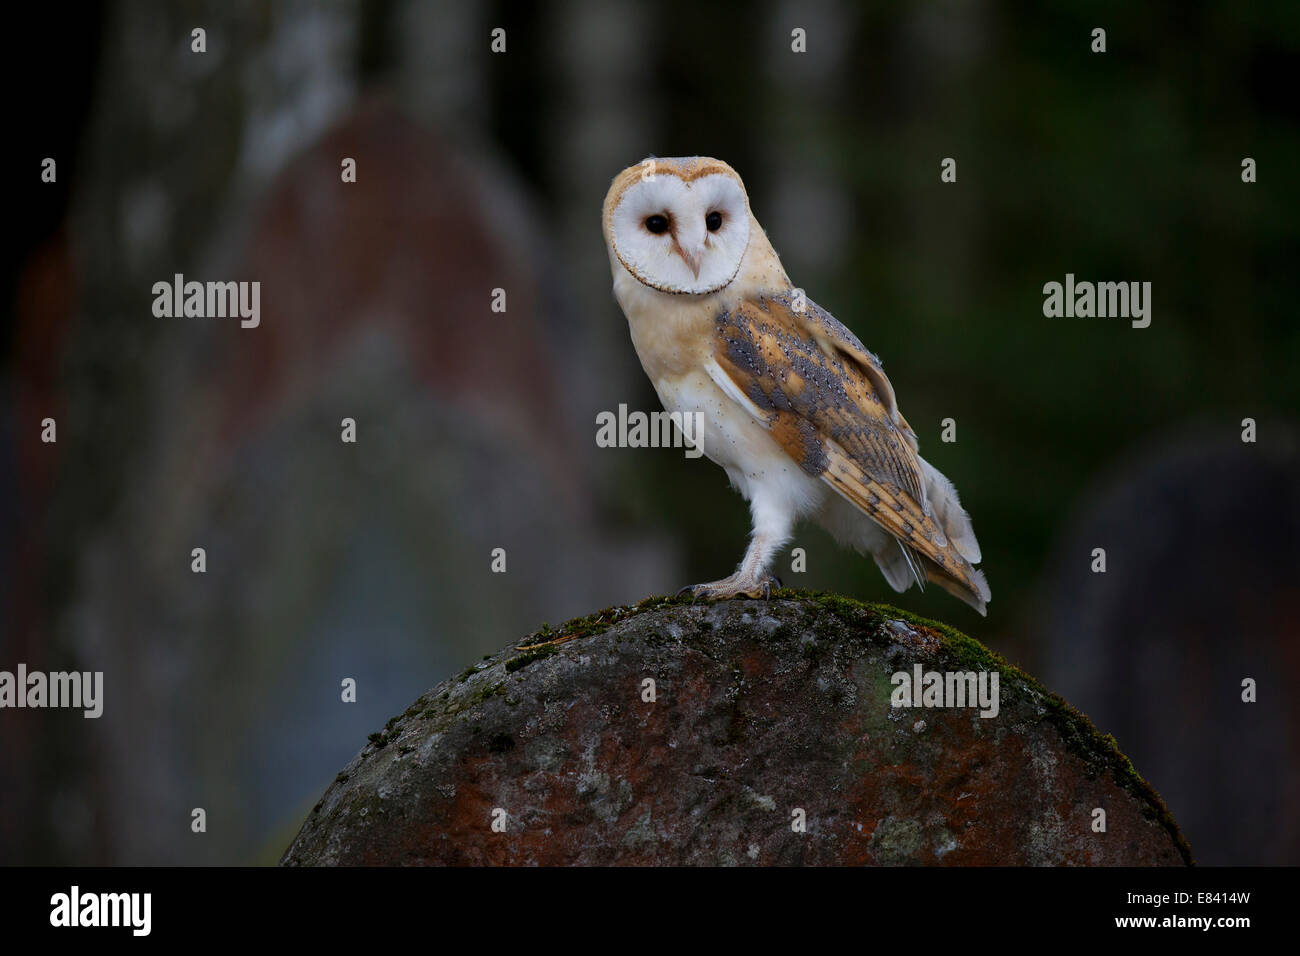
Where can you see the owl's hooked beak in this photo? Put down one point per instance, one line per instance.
(692, 258)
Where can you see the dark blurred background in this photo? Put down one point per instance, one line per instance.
(476, 429)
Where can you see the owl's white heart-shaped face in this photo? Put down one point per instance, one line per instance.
(680, 234)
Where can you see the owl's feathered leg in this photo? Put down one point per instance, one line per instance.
(773, 526)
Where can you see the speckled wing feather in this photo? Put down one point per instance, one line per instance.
(827, 402)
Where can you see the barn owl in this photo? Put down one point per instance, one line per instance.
(797, 412)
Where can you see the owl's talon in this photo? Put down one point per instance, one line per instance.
(733, 587)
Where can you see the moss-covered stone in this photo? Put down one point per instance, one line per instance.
(787, 696)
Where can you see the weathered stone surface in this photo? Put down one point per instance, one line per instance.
(763, 708)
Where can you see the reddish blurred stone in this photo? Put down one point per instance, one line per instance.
(412, 252)
(762, 708)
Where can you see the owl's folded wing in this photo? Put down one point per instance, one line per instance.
(829, 405)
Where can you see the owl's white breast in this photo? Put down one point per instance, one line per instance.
(674, 339)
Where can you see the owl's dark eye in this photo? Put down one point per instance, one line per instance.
(713, 221)
(657, 223)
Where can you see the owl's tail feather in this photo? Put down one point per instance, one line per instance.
(947, 509)
(973, 588)
(926, 535)
(968, 584)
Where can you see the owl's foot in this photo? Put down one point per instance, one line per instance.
(751, 586)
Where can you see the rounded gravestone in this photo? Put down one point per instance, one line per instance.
(741, 732)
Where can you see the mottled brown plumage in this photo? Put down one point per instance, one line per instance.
(828, 404)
